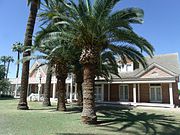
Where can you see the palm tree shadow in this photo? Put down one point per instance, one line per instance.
(146, 123)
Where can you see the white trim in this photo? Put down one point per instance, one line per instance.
(156, 101)
(109, 88)
(140, 104)
(171, 94)
(131, 82)
(71, 91)
(123, 91)
(155, 65)
(54, 91)
(75, 92)
(102, 92)
(134, 93)
(99, 87)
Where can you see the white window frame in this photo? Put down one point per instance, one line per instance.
(155, 101)
(123, 92)
(101, 89)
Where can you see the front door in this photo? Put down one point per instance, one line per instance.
(155, 94)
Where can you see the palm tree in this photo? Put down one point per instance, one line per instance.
(35, 4)
(9, 60)
(47, 12)
(17, 47)
(4, 60)
(46, 101)
(94, 29)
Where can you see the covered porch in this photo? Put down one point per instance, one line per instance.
(140, 93)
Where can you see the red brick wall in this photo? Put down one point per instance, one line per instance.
(165, 93)
(175, 93)
(144, 93)
(114, 92)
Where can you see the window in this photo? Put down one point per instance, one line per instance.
(123, 92)
(126, 67)
(98, 93)
(155, 93)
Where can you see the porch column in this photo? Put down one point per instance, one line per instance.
(39, 89)
(54, 90)
(71, 91)
(138, 92)
(67, 90)
(15, 91)
(108, 91)
(102, 87)
(134, 93)
(75, 93)
(171, 94)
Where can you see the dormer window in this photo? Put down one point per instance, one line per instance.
(126, 67)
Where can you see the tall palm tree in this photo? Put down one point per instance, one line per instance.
(47, 90)
(94, 29)
(17, 47)
(35, 4)
(9, 60)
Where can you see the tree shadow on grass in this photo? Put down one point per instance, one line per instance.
(7, 98)
(116, 119)
(77, 134)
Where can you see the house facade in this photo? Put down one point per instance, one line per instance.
(157, 85)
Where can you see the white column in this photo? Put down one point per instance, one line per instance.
(15, 91)
(109, 91)
(134, 93)
(39, 89)
(54, 90)
(138, 92)
(171, 94)
(75, 94)
(102, 92)
(67, 90)
(71, 91)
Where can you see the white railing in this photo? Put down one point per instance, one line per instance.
(35, 97)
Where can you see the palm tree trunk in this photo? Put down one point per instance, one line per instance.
(88, 114)
(4, 63)
(47, 90)
(80, 93)
(61, 75)
(25, 68)
(79, 81)
(17, 72)
(7, 69)
(61, 83)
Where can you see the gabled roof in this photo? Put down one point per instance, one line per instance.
(166, 62)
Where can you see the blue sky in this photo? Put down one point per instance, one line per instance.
(161, 24)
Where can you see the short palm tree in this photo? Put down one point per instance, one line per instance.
(4, 60)
(9, 60)
(94, 29)
(17, 47)
(35, 4)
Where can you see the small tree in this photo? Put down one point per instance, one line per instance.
(4, 83)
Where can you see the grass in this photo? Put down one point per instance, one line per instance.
(111, 120)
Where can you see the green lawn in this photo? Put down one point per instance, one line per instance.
(111, 120)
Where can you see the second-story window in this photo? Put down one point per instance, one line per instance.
(126, 67)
